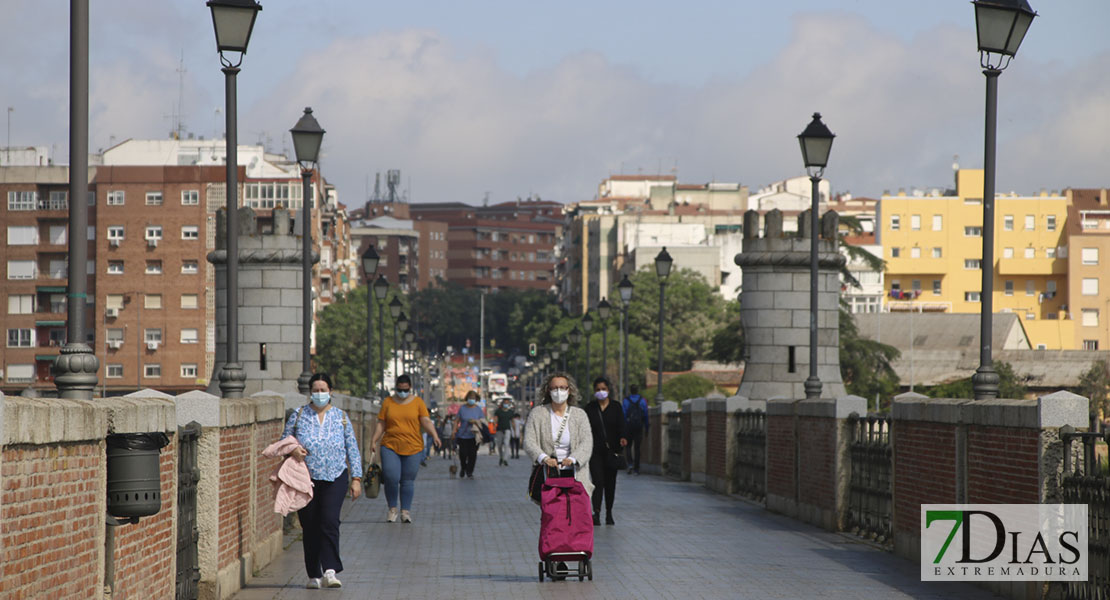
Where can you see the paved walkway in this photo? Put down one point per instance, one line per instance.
(478, 539)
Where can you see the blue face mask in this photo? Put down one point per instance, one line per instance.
(321, 399)
(471, 401)
(402, 394)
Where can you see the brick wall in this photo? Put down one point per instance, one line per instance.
(146, 553)
(1003, 465)
(687, 425)
(780, 455)
(51, 521)
(716, 443)
(925, 455)
(266, 521)
(235, 483)
(655, 448)
(817, 461)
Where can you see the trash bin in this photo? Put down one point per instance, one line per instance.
(134, 482)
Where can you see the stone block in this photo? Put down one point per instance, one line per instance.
(1063, 408)
(250, 278)
(256, 334)
(236, 411)
(755, 299)
(775, 318)
(291, 297)
(281, 315)
(774, 282)
(290, 371)
(781, 407)
(281, 278)
(759, 336)
(791, 336)
(291, 334)
(259, 297)
(197, 406)
(141, 414)
(283, 353)
(934, 410)
(792, 300)
(250, 315)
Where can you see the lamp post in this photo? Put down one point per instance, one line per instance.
(663, 262)
(625, 290)
(1001, 26)
(233, 21)
(75, 368)
(370, 260)
(603, 311)
(381, 289)
(307, 137)
(816, 142)
(401, 324)
(410, 338)
(395, 307)
(587, 325)
(564, 346)
(575, 336)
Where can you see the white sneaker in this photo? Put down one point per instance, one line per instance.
(392, 518)
(330, 580)
(313, 583)
(406, 517)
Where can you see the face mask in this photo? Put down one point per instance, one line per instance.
(321, 399)
(601, 394)
(471, 401)
(402, 393)
(560, 396)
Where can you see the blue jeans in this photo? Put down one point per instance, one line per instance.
(399, 471)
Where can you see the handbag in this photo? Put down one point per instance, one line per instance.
(614, 460)
(373, 481)
(539, 473)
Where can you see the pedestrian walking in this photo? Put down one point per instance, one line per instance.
(515, 429)
(401, 418)
(470, 418)
(608, 428)
(635, 408)
(330, 451)
(504, 416)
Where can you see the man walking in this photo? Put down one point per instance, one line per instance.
(636, 422)
(504, 416)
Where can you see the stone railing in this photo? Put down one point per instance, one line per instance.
(53, 494)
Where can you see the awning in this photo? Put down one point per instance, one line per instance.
(49, 323)
(49, 357)
(52, 288)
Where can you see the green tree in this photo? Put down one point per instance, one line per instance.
(1009, 385)
(865, 364)
(682, 387)
(342, 345)
(1094, 383)
(727, 345)
(692, 313)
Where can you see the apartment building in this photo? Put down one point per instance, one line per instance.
(933, 247)
(1088, 298)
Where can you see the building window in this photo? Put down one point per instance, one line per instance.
(1050, 222)
(22, 269)
(190, 232)
(971, 296)
(154, 232)
(1008, 222)
(973, 231)
(895, 222)
(23, 235)
(188, 300)
(153, 267)
(1030, 222)
(916, 286)
(22, 200)
(115, 232)
(21, 338)
(188, 336)
(915, 252)
(938, 222)
(1089, 256)
(21, 304)
(189, 267)
(895, 252)
(1030, 253)
(189, 370)
(915, 222)
(115, 198)
(1050, 252)
(115, 371)
(190, 197)
(1009, 287)
(152, 370)
(1030, 287)
(152, 336)
(152, 301)
(1090, 286)
(1007, 253)
(973, 263)
(1050, 287)
(1090, 344)
(1090, 317)
(58, 234)
(115, 267)
(154, 198)
(936, 287)
(937, 252)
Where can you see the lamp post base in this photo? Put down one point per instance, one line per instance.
(984, 383)
(813, 388)
(302, 382)
(233, 380)
(75, 372)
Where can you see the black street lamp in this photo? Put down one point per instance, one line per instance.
(1001, 26)
(307, 137)
(381, 289)
(410, 338)
(233, 21)
(401, 324)
(564, 346)
(603, 311)
(370, 260)
(816, 142)
(663, 262)
(587, 325)
(395, 307)
(575, 336)
(625, 290)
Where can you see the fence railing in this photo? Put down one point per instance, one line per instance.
(751, 455)
(871, 493)
(674, 445)
(1085, 483)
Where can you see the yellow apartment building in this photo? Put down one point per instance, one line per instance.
(933, 248)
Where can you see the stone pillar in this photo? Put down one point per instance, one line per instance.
(775, 311)
(651, 456)
(666, 410)
(693, 440)
(721, 445)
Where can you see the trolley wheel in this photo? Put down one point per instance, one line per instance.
(541, 570)
(589, 570)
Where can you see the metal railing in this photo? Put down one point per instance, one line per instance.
(1084, 482)
(751, 455)
(674, 445)
(870, 495)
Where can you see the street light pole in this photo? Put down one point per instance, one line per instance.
(370, 260)
(401, 324)
(381, 289)
(307, 136)
(587, 325)
(816, 142)
(663, 262)
(603, 310)
(1001, 26)
(625, 290)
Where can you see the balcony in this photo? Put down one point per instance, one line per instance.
(916, 266)
(1032, 266)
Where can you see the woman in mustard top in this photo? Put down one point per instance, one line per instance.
(400, 420)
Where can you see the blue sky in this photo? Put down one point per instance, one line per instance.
(515, 98)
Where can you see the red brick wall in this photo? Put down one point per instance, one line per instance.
(235, 480)
(266, 521)
(51, 516)
(687, 424)
(780, 455)
(146, 553)
(1003, 465)
(654, 454)
(924, 473)
(817, 457)
(716, 440)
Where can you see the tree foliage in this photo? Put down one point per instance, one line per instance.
(682, 387)
(341, 342)
(1094, 383)
(692, 313)
(727, 344)
(865, 364)
(1009, 385)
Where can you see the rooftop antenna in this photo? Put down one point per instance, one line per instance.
(377, 197)
(392, 180)
(176, 115)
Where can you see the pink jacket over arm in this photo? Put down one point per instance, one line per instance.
(291, 480)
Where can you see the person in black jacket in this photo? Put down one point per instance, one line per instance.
(607, 423)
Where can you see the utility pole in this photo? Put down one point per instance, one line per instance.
(481, 342)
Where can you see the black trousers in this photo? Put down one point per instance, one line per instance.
(633, 448)
(605, 483)
(320, 524)
(514, 447)
(468, 455)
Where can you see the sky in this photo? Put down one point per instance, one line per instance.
(510, 99)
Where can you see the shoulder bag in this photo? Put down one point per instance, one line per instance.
(614, 459)
(539, 473)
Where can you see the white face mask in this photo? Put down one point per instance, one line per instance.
(560, 396)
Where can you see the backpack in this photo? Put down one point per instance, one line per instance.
(635, 418)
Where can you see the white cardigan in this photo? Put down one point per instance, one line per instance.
(538, 440)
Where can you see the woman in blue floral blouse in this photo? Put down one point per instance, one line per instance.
(330, 451)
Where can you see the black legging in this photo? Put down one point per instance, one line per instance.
(605, 484)
(468, 455)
